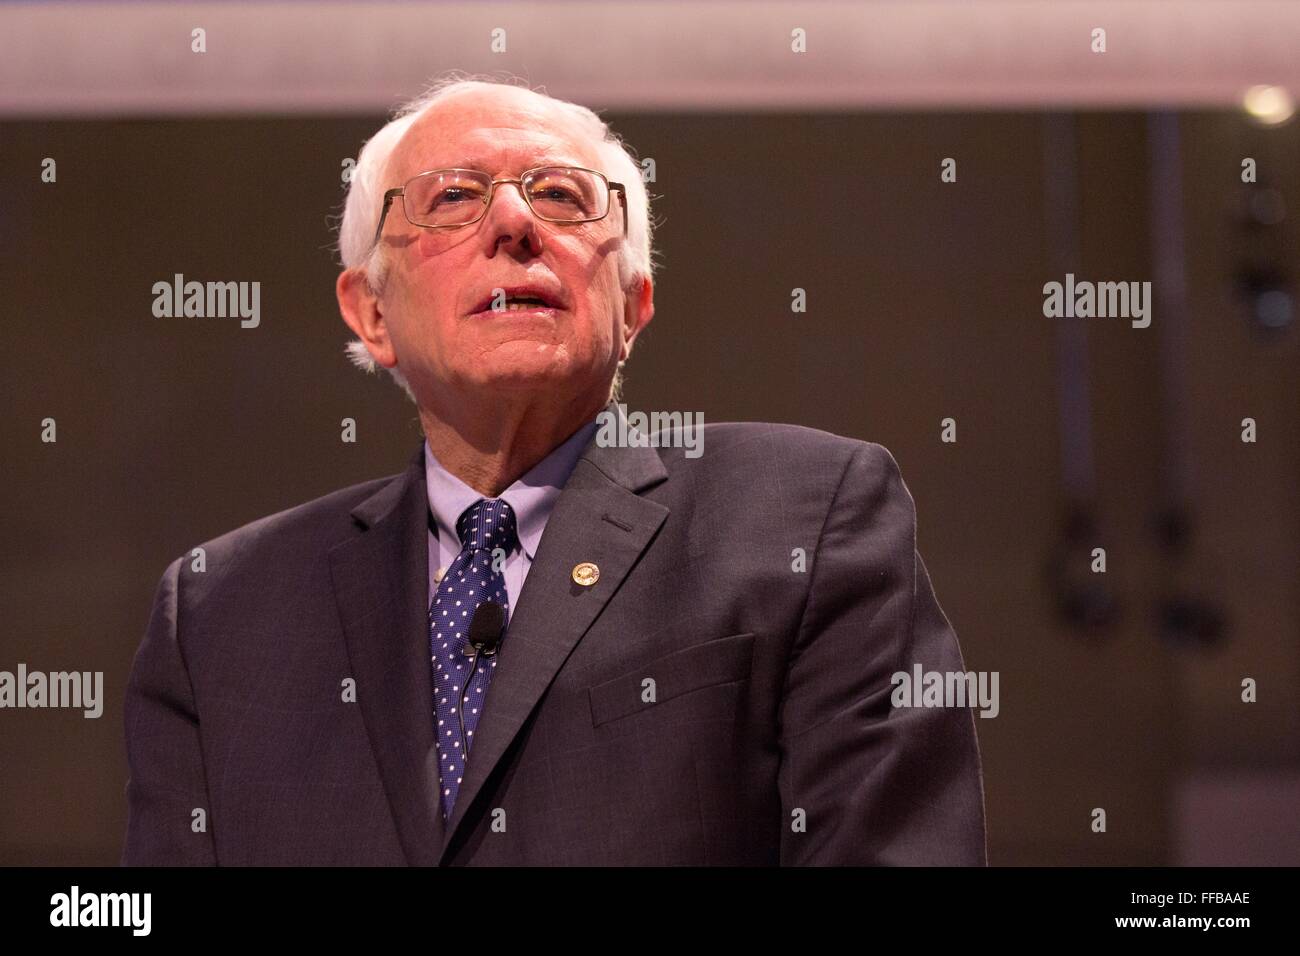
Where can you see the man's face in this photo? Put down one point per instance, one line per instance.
(439, 279)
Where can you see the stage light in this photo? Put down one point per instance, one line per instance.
(1268, 105)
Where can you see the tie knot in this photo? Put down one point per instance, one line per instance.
(487, 524)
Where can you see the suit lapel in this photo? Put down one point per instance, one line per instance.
(598, 517)
(381, 586)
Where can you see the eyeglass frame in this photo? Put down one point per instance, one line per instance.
(610, 187)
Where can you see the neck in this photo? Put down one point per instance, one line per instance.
(489, 441)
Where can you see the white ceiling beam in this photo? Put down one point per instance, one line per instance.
(98, 58)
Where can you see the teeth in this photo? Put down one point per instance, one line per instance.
(521, 306)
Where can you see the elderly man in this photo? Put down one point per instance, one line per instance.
(535, 646)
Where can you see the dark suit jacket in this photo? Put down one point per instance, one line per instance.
(771, 738)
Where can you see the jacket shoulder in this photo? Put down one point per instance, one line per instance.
(774, 473)
(735, 443)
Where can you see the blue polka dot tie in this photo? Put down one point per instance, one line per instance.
(472, 578)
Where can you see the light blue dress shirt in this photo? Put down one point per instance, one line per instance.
(532, 497)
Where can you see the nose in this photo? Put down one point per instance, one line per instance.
(510, 218)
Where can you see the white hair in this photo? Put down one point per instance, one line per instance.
(361, 209)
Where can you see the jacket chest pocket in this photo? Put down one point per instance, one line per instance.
(725, 660)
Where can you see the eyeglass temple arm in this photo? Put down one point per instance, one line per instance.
(622, 201)
(388, 202)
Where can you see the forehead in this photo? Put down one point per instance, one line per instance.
(504, 131)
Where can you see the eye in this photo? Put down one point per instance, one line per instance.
(455, 194)
(556, 194)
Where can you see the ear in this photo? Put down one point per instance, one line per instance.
(364, 315)
(638, 310)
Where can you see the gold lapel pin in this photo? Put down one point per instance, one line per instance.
(586, 574)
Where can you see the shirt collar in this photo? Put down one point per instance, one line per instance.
(531, 497)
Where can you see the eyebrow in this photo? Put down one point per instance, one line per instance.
(467, 162)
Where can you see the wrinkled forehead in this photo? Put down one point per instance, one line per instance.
(502, 133)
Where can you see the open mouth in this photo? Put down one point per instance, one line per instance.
(525, 304)
(522, 300)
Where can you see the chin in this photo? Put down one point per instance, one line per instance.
(526, 378)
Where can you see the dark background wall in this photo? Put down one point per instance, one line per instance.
(924, 302)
